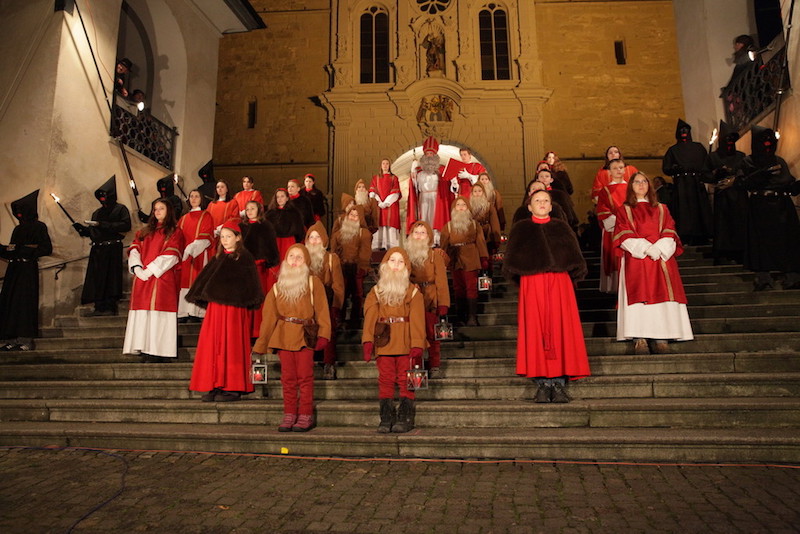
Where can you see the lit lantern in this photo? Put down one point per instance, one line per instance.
(259, 372)
(416, 379)
(443, 331)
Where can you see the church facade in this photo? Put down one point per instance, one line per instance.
(332, 87)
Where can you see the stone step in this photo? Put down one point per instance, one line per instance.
(593, 444)
(762, 412)
(725, 362)
(686, 385)
(506, 330)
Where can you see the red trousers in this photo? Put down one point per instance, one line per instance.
(391, 372)
(434, 346)
(297, 374)
(465, 284)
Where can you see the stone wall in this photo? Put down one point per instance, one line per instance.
(595, 101)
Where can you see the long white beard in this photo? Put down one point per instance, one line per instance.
(488, 187)
(478, 205)
(317, 253)
(292, 282)
(392, 285)
(349, 230)
(418, 250)
(362, 198)
(460, 221)
(430, 163)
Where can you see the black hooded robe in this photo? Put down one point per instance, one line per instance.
(103, 283)
(19, 298)
(773, 228)
(730, 203)
(687, 163)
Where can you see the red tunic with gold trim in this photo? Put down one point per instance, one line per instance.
(383, 186)
(157, 294)
(243, 197)
(465, 184)
(603, 178)
(196, 225)
(221, 211)
(649, 281)
(612, 196)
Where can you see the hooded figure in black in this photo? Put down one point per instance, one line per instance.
(208, 190)
(687, 162)
(166, 189)
(103, 283)
(730, 196)
(773, 229)
(19, 298)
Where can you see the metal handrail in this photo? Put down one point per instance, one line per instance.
(144, 133)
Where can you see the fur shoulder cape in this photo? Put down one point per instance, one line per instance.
(260, 240)
(228, 281)
(534, 248)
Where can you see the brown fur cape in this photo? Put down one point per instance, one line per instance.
(534, 248)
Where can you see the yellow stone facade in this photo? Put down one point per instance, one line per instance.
(566, 91)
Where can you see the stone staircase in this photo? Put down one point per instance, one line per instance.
(731, 395)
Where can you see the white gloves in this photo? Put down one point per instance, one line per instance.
(142, 274)
(654, 252)
(464, 175)
(609, 222)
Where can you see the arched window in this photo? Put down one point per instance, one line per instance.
(375, 46)
(493, 28)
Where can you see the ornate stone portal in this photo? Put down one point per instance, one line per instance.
(435, 86)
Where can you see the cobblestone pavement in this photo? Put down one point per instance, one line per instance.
(50, 490)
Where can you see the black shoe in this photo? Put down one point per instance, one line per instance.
(387, 416)
(227, 396)
(543, 394)
(795, 285)
(8, 347)
(559, 394)
(209, 397)
(25, 346)
(762, 286)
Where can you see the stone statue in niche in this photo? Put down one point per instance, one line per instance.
(434, 54)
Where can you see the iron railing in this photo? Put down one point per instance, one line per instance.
(753, 93)
(144, 133)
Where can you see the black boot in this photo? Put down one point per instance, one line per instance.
(472, 312)
(387, 416)
(405, 416)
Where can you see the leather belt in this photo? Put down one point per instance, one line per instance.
(771, 193)
(297, 320)
(390, 320)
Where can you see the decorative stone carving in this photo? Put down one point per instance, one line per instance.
(434, 53)
(437, 108)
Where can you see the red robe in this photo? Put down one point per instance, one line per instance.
(243, 197)
(158, 294)
(222, 359)
(603, 178)
(221, 211)
(648, 281)
(464, 184)
(383, 186)
(611, 197)
(196, 225)
(550, 341)
(444, 202)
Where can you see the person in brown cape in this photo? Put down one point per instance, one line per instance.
(295, 322)
(394, 334)
(352, 242)
(462, 240)
(429, 272)
(327, 267)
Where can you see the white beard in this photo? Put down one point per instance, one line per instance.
(478, 205)
(349, 230)
(418, 250)
(460, 222)
(317, 253)
(430, 163)
(489, 189)
(362, 198)
(392, 285)
(292, 282)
